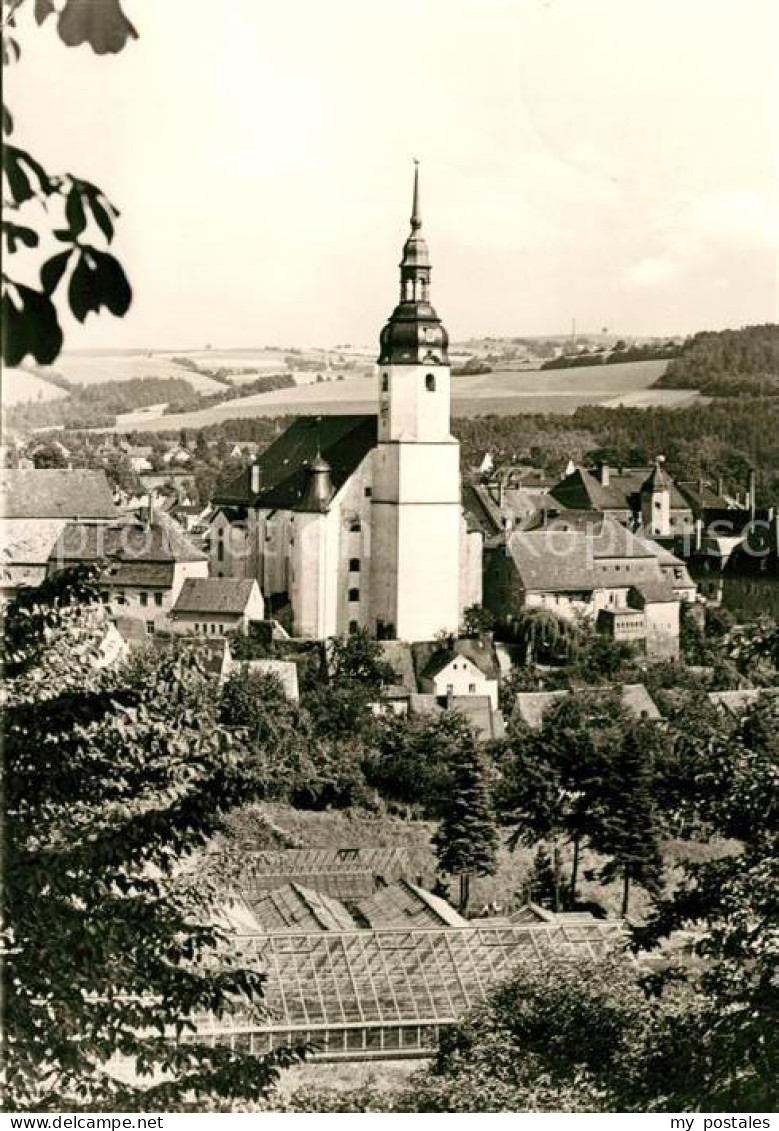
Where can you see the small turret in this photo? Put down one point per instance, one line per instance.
(319, 489)
(656, 502)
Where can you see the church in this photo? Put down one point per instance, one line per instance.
(357, 521)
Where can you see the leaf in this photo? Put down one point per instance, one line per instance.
(103, 26)
(8, 122)
(53, 270)
(14, 234)
(74, 212)
(98, 280)
(82, 295)
(17, 165)
(102, 218)
(32, 328)
(43, 9)
(117, 291)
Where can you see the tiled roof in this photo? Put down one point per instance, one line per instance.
(556, 559)
(343, 441)
(656, 590)
(55, 493)
(26, 541)
(582, 489)
(481, 510)
(531, 706)
(148, 575)
(737, 702)
(397, 653)
(214, 595)
(480, 654)
(162, 541)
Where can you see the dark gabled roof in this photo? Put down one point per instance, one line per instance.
(343, 441)
(55, 493)
(481, 510)
(144, 575)
(161, 541)
(581, 491)
(479, 653)
(214, 595)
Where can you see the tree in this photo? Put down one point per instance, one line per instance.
(359, 659)
(477, 620)
(114, 778)
(628, 827)
(466, 839)
(727, 907)
(49, 455)
(95, 278)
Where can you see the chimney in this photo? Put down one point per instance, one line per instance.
(720, 486)
(700, 488)
(752, 491)
(698, 535)
(255, 481)
(604, 473)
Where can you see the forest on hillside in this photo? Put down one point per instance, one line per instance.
(728, 363)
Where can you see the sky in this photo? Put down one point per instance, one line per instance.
(615, 162)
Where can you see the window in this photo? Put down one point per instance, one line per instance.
(144, 598)
(450, 689)
(368, 492)
(430, 383)
(120, 597)
(385, 382)
(353, 626)
(220, 551)
(354, 594)
(354, 526)
(471, 688)
(354, 565)
(150, 628)
(158, 599)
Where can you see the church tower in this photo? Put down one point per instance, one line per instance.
(415, 541)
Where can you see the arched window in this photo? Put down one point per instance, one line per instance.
(430, 383)
(385, 382)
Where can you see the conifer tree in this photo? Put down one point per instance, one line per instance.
(466, 838)
(628, 829)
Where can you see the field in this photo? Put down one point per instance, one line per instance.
(504, 392)
(19, 387)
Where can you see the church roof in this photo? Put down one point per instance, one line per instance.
(341, 441)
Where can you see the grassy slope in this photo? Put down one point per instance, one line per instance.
(345, 828)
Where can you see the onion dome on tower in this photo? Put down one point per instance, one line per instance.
(319, 488)
(414, 334)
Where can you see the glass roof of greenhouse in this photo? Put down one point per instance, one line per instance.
(409, 976)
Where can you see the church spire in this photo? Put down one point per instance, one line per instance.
(416, 215)
(414, 334)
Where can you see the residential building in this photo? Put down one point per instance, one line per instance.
(36, 506)
(143, 566)
(217, 605)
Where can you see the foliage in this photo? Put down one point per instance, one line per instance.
(48, 455)
(728, 905)
(477, 620)
(358, 659)
(728, 362)
(95, 278)
(113, 778)
(466, 839)
(98, 405)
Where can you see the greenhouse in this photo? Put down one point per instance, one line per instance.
(385, 993)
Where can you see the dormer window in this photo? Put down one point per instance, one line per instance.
(430, 382)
